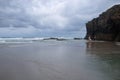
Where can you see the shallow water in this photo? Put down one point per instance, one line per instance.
(60, 60)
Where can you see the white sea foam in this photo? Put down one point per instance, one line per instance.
(19, 40)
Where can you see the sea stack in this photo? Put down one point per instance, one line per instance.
(105, 27)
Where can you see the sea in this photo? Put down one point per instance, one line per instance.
(39, 59)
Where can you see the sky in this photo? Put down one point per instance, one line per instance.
(49, 18)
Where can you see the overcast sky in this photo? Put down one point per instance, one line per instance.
(49, 18)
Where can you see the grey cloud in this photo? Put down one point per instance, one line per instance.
(51, 16)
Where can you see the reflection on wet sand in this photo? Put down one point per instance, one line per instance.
(55, 60)
(105, 47)
(107, 55)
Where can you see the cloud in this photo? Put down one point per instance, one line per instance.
(49, 17)
(20, 32)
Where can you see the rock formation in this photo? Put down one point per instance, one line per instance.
(106, 26)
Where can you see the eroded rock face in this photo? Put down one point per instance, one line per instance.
(106, 26)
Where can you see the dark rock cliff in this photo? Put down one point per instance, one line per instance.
(106, 26)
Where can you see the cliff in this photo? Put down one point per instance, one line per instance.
(106, 26)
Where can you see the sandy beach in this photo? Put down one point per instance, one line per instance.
(60, 60)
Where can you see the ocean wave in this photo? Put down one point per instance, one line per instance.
(19, 40)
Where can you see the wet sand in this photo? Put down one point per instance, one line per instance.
(60, 60)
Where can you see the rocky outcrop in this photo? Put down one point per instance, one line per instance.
(106, 26)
